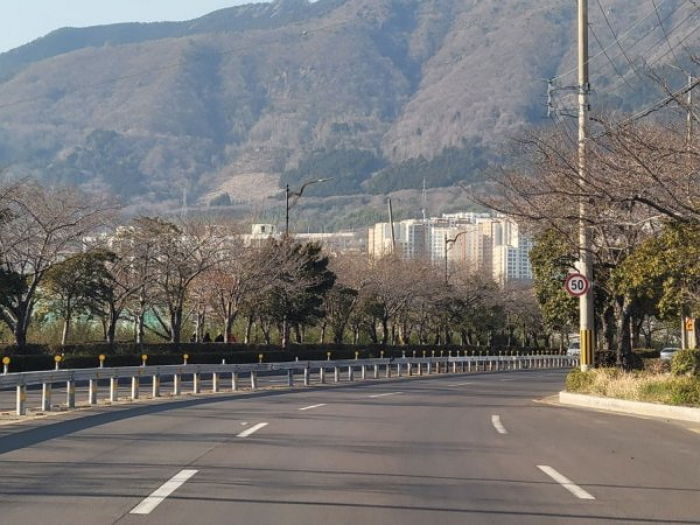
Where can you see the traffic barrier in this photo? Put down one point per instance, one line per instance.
(404, 367)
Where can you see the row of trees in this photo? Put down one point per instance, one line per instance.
(63, 258)
(642, 189)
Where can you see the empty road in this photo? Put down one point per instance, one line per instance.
(448, 449)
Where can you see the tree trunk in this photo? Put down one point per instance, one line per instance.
(322, 338)
(298, 334)
(624, 346)
(248, 328)
(66, 330)
(176, 325)
(385, 330)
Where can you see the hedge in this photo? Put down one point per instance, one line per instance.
(41, 357)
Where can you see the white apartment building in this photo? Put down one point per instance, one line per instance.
(482, 242)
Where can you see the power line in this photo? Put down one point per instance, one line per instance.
(600, 53)
(617, 41)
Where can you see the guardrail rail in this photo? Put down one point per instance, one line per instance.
(367, 368)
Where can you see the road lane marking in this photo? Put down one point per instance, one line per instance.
(496, 422)
(386, 394)
(313, 406)
(565, 482)
(511, 379)
(248, 431)
(462, 384)
(162, 492)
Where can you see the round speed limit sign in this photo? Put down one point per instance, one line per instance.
(576, 284)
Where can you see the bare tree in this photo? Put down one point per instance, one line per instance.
(40, 227)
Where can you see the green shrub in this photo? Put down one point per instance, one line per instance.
(686, 362)
(578, 381)
(685, 391)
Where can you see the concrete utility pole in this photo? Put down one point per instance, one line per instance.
(586, 315)
(688, 339)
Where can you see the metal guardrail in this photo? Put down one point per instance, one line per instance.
(403, 366)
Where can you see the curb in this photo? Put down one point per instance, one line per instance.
(631, 407)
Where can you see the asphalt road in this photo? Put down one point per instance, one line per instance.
(449, 449)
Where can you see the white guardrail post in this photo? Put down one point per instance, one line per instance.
(70, 393)
(92, 392)
(46, 397)
(156, 385)
(21, 395)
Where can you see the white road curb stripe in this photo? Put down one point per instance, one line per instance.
(565, 482)
(162, 492)
(496, 422)
(247, 432)
(313, 406)
(386, 394)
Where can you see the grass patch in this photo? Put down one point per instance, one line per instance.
(665, 388)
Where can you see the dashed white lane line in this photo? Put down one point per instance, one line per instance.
(386, 394)
(313, 406)
(496, 422)
(565, 482)
(248, 431)
(162, 492)
(462, 384)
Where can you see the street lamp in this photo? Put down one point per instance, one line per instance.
(447, 243)
(298, 195)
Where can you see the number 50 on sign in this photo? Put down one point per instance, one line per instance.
(576, 285)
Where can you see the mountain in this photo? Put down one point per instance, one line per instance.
(381, 95)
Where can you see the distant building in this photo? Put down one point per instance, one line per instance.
(483, 242)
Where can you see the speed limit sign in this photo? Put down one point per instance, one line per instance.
(576, 284)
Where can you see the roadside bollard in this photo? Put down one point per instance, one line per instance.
(414, 354)
(46, 397)
(420, 368)
(388, 370)
(113, 389)
(102, 358)
(92, 392)
(454, 367)
(363, 372)
(290, 377)
(328, 356)
(376, 371)
(57, 359)
(156, 385)
(215, 382)
(196, 383)
(177, 384)
(424, 354)
(135, 387)
(70, 393)
(430, 367)
(336, 374)
(234, 381)
(5, 365)
(260, 358)
(357, 355)
(253, 380)
(350, 374)
(21, 409)
(185, 357)
(306, 377)
(144, 358)
(398, 369)
(322, 375)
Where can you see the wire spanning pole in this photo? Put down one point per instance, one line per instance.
(586, 319)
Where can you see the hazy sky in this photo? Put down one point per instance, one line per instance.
(22, 21)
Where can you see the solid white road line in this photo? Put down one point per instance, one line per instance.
(386, 394)
(248, 431)
(162, 492)
(313, 406)
(565, 482)
(462, 384)
(496, 422)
